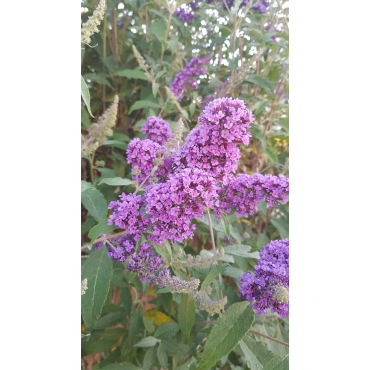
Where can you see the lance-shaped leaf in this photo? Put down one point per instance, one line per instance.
(212, 274)
(85, 95)
(116, 181)
(241, 250)
(95, 203)
(186, 315)
(227, 331)
(98, 270)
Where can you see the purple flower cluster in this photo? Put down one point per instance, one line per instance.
(244, 192)
(143, 154)
(124, 247)
(128, 216)
(269, 288)
(144, 263)
(187, 76)
(174, 204)
(185, 15)
(212, 145)
(157, 130)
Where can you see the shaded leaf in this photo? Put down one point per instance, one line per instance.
(101, 228)
(147, 342)
(95, 203)
(143, 104)
(116, 181)
(226, 332)
(241, 250)
(132, 73)
(98, 270)
(167, 330)
(212, 274)
(186, 315)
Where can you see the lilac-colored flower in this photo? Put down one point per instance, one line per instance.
(244, 192)
(185, 15)
(142, 154)
(128, 216)
(212, 145)
(269, 287)
(186, 78)
(157, 130)
(124, 247)
(174, 204)
(146, 264)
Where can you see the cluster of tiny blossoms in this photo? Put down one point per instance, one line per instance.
(157, 130)
(206, 303)
(128, 216)
(172, 205)
(269, 288)
(212, 145)
(144, 263)
(244, 192)
(144, 155)
(187, 77)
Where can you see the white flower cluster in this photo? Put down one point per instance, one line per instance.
(98, 132)
(83, 286)
(91, 26)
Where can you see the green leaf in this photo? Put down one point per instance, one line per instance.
(260, 82)
(272, 157)
(133, 3)
(149, 358)
(84, 117)
(86, 186)
(159, 74)
(234, 233)
(116, 143)
(186, 315)
(147, 342)
(173, 43)
(85, 95)
(256, 353)
(277, 363)
(227, 331)
(98, 270)
(241, 250)
(165, 251)
(261, 106)
(121, 366)
(132, 74)
(158, 28)
(212, 274)
(143, 104)
(94, 202)
(155, 168)
(167, 330)
(162, 356)
(101, 228)
(116, 181)
(101, 80)
(282, 226)
(262, 240)
(167, 289)
(109, 320)
(233, 272)
(155, 87)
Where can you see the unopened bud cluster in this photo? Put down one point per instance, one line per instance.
(91, 26)
(208, 304)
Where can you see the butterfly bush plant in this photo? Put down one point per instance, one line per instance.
(185, 185)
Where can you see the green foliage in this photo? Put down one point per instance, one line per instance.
(186, 316)
(98, 271)
(128, 323)
(227, 331)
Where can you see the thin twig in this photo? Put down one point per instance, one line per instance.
(214, 251)
(103, 238)
(267, 337)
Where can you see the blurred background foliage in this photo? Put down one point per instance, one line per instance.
(248, 60)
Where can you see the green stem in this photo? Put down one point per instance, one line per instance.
(214, 251)
(165, 39)
(91, 160)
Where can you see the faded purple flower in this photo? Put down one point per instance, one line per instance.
(187, 77)
(174, 204)
(128, 216)
(269, 287)
(244, 192)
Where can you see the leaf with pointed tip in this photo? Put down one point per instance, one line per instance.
(98, 270)
(241, 250)
(101, 228)
(186, 315)
(116, 181)
(212, 274)
(226, 332)
(85, 95)
(147, 342)
(95, 203)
